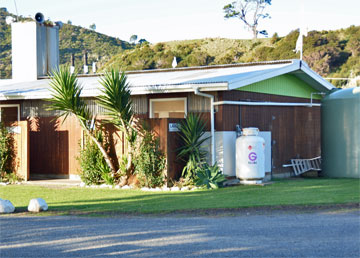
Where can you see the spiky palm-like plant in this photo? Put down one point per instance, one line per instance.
(116, 99)
(66, 97)
(192, 131)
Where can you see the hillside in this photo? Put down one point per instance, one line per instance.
(330, 53)
(73, 39)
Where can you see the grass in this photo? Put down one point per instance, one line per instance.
(99, 201)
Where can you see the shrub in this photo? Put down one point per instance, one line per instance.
(6, 150)
(7, 157)
(209, 176)
(93, 168)
(150, 162)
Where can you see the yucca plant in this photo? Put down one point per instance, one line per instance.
(116, 99)
(66, 97)
(192, 151)
(209, 176)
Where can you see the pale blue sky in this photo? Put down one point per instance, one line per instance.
(166, 20)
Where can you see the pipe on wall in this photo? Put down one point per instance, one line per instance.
(247, 103)
(212, 122)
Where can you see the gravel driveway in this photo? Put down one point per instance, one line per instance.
(319, 234)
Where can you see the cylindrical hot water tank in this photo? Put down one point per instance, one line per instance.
(250, 156)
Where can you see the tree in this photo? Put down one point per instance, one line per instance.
(66, 97)
(92, 26)
(142, 41)
(133, 39)
(250, 12)
(116, 99)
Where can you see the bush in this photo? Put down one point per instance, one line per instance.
(7, 157)
(6, 150)
(149, 162)
(209, 176)
(94, 169)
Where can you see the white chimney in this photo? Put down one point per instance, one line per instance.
(35, 50)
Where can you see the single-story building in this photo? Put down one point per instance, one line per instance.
(281, 98)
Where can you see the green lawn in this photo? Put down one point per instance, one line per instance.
(283, 192)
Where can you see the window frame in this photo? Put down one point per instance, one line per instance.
(151, 101)
(9, 106)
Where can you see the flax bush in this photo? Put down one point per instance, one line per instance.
(192, 151)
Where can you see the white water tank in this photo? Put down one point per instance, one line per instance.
(250, 156)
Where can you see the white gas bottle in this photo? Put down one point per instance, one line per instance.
(250, 156)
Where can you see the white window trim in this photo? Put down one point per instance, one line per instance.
(165, 99)
(11, 105)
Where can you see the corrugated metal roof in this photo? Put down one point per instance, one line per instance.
(209, 78)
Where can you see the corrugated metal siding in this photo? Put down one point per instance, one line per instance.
(283, 85)
(38, 108)
(198, 103)
(140, 104)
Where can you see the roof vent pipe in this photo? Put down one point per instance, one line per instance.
(72, 66)
(174, 62)
(86, 68)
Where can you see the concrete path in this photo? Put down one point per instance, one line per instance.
(321, 234)
(53, 182)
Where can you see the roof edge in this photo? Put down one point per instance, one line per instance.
(314, 75)
(192, 68)
(293, 66)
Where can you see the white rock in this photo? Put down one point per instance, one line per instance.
(164, 188)
(146, 189)
(185, 188)
(175, 188)
(125, 187)
(82, 184)
(6, 206)
(37, 205)
(103, 186)
(2, 183)
(117, 186)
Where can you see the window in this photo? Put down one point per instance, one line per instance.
(168, 108)
(9, 113)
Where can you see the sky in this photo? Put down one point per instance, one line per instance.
(167, 20)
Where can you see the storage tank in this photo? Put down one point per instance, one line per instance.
(340, 133)
(250, 156)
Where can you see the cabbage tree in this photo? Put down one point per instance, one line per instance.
(66, 97)
(116, 99)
